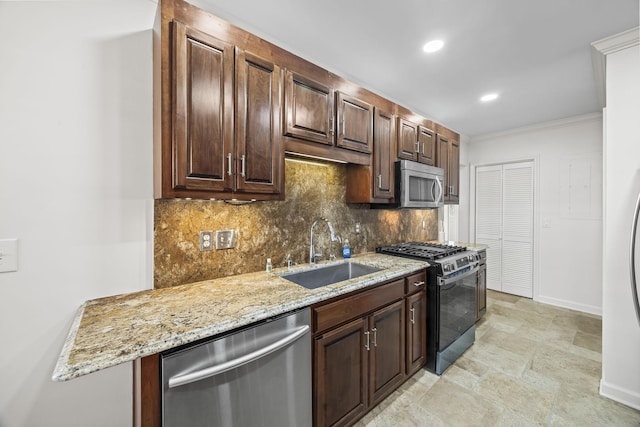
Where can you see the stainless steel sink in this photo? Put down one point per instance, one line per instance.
(322, 276)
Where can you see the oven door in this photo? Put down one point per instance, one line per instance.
(457, 297)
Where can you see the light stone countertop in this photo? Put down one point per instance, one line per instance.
(121, 328)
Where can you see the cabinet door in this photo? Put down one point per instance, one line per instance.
(355, 123)
(426, 146)
(309, 109)
(202, 111)
(384, 142)
(387, 356)
(416, 331)
(443, 161)
(407, 139)
(259, 153)
(454, 171)
(481, 295)
(341, 374)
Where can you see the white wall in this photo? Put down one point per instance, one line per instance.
(76, 190)
(567, 222)
(620, 329)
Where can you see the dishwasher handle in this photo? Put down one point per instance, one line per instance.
(211, 371)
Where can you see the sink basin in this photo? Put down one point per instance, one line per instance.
(322, 276)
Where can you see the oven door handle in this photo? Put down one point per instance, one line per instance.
(443, 282)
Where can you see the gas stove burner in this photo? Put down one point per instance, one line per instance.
(421, 250)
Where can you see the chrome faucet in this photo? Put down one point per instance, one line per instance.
(334, 238)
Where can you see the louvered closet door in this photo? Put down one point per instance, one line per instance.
(504, 221)
(517, 229)
(489, 220)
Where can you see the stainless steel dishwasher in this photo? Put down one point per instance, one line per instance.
(258, 376)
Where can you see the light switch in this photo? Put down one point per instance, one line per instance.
(225, 239)
(8, 255)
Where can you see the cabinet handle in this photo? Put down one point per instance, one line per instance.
(416, 284)
(331, 132)
(243, 162)
(343, 129)
(412, 315)
(380, 181)
(417, 146)
(366, 334)
(375, 336)
(229, 164)
(423, 144)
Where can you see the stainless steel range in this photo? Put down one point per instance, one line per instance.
(451, 298)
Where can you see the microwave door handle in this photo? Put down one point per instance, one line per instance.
(439, 198)
(632, 260)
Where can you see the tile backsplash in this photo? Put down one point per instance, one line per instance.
(276, 229)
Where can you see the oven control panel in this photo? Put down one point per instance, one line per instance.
(458, 264)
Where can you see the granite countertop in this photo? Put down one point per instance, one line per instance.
(121, 328)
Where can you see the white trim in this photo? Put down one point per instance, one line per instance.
(601, 48)
(619, 394)
(618, 42)
(585, 308)
(539, 126)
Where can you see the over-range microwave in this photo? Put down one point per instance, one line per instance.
(418, 186)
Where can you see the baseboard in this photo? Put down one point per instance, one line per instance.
(626, 397)
(591, 309)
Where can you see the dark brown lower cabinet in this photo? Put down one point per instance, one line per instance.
(341, 372)
(387, 351)
(366, 344)
(416, 331)
(481, 293)
(358, 365)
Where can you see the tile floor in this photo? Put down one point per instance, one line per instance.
(532, 365)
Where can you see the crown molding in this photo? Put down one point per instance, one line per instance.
(539, 126)
(601, 48)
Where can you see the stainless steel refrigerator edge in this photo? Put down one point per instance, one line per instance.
(258, 376)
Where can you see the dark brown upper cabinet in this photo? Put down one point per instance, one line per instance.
(407, 140)
(354, 121)
(448, 158)
(384, 143)
(309, 109)
(415, 142)
(375, 183)
(202, 111)
(258, 125)
(426, 146)
(211, 156)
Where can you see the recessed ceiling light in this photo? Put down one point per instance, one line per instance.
(489, 97)
(433, 46)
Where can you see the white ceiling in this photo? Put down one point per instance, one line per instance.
(536, 54)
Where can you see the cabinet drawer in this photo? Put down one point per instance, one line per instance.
(335, 313)
(415, 282)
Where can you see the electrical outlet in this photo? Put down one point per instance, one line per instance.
(357, 228)
(206, 240)
(225, 239)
